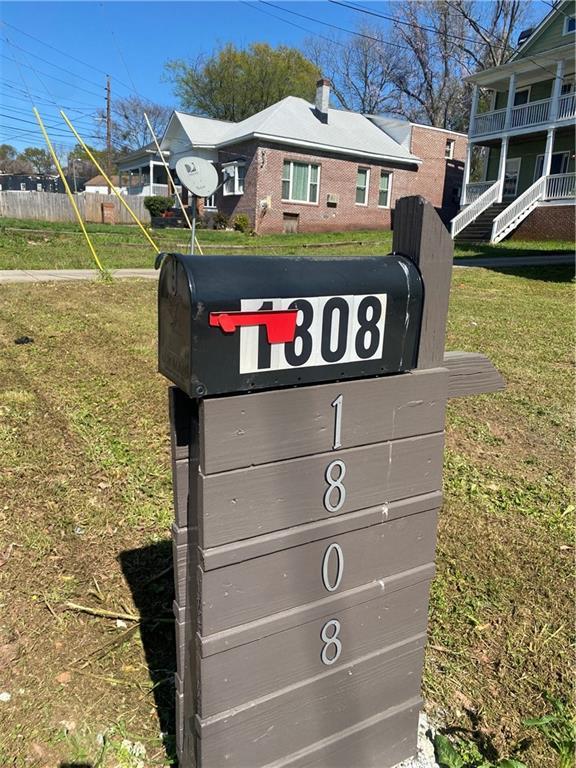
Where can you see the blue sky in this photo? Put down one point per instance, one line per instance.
(131, 41)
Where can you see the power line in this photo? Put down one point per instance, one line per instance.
(53, 77)
(335, 26)
(31, 122)
(362, 9)
(51, 64)
(292, 23)
(13, 86)
(62, 53)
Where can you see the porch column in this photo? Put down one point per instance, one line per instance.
(511, 95)
(151, 166)
(502, 166)
(466, 175)
(556, 90)
(548, 152)
(474, 110)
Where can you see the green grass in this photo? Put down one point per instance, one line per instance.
(85, 499)
(46, 245)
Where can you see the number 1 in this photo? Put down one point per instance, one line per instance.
(337, 405)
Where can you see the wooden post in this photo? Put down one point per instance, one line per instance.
(420, 235)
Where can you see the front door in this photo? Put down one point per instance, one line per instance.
(511, 176)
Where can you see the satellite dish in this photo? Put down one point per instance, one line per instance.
(197, 175)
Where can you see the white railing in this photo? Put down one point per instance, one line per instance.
(472, 211)
(154, 189)
(475, 190)
(560, 186)
(518, 210)
(489, 122)
(567, 106)
(530, 114)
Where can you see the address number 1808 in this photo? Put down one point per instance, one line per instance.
(330, 330)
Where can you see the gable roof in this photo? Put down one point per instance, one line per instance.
(556, 13)
(294, 121)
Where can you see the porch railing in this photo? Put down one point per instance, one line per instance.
(472, 211)
(475, 190)
(511, 216)
(530, 114)
(560, 186)
(489, 122)
(567, 106)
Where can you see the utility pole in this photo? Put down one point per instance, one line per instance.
(108, 131)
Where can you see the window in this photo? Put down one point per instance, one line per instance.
(22, 186)
(567, 87)
(449, 151)
(362, 183)
(384, 189)
(569, 24)
(39, 187)
(210, 202)
(236, 173)
(559, 164)
(300, 182)
(521, 97)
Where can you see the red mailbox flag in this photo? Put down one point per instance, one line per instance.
(280, 324)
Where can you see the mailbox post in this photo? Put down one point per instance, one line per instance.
(307, 441)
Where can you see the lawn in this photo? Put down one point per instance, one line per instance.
(86, 507)
(44, 245)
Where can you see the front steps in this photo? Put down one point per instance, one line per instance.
(480, 229)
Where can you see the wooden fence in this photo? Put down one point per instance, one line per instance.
(53, 206)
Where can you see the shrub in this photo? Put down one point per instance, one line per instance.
(241, 223)
(220, 221)
(157, 205)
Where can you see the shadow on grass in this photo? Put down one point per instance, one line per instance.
(560, 273)
(478, 735)
(149, 575)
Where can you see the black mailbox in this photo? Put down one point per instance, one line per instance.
(231, 325)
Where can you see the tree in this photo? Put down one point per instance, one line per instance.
(494, 26)
(360, 69)
(233, 84)
(129, 129)
(80, 164)
(416, 68)
(39, 159)
(7, 152)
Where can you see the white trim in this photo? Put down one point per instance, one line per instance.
(511, 160)
(449, 147)
(390, 179)
(236, 164)
(323, 147)
(289, 199)
(560, 201)
(442, 130)
(565, 30)
(566, 153)
(366, 188)
(521, 90)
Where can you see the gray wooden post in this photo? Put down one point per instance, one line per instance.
(303, 550)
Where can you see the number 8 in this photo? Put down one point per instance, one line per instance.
(335, 484)
(332, 640)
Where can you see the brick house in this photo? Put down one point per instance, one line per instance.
(297, 166)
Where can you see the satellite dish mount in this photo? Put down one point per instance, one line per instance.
(201, 179)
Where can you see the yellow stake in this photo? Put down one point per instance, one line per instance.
(168, 175)
(112, 187)
(68, 190)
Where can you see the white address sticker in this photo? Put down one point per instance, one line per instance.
(330, 330)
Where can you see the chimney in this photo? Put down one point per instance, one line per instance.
(322, 99)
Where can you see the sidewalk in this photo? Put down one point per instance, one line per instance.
(61, 275)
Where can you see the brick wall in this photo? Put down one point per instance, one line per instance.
(232, 205)
(548, 222)
(338, 177)
(436, 179)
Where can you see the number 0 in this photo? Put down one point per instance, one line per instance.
(339, 568)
